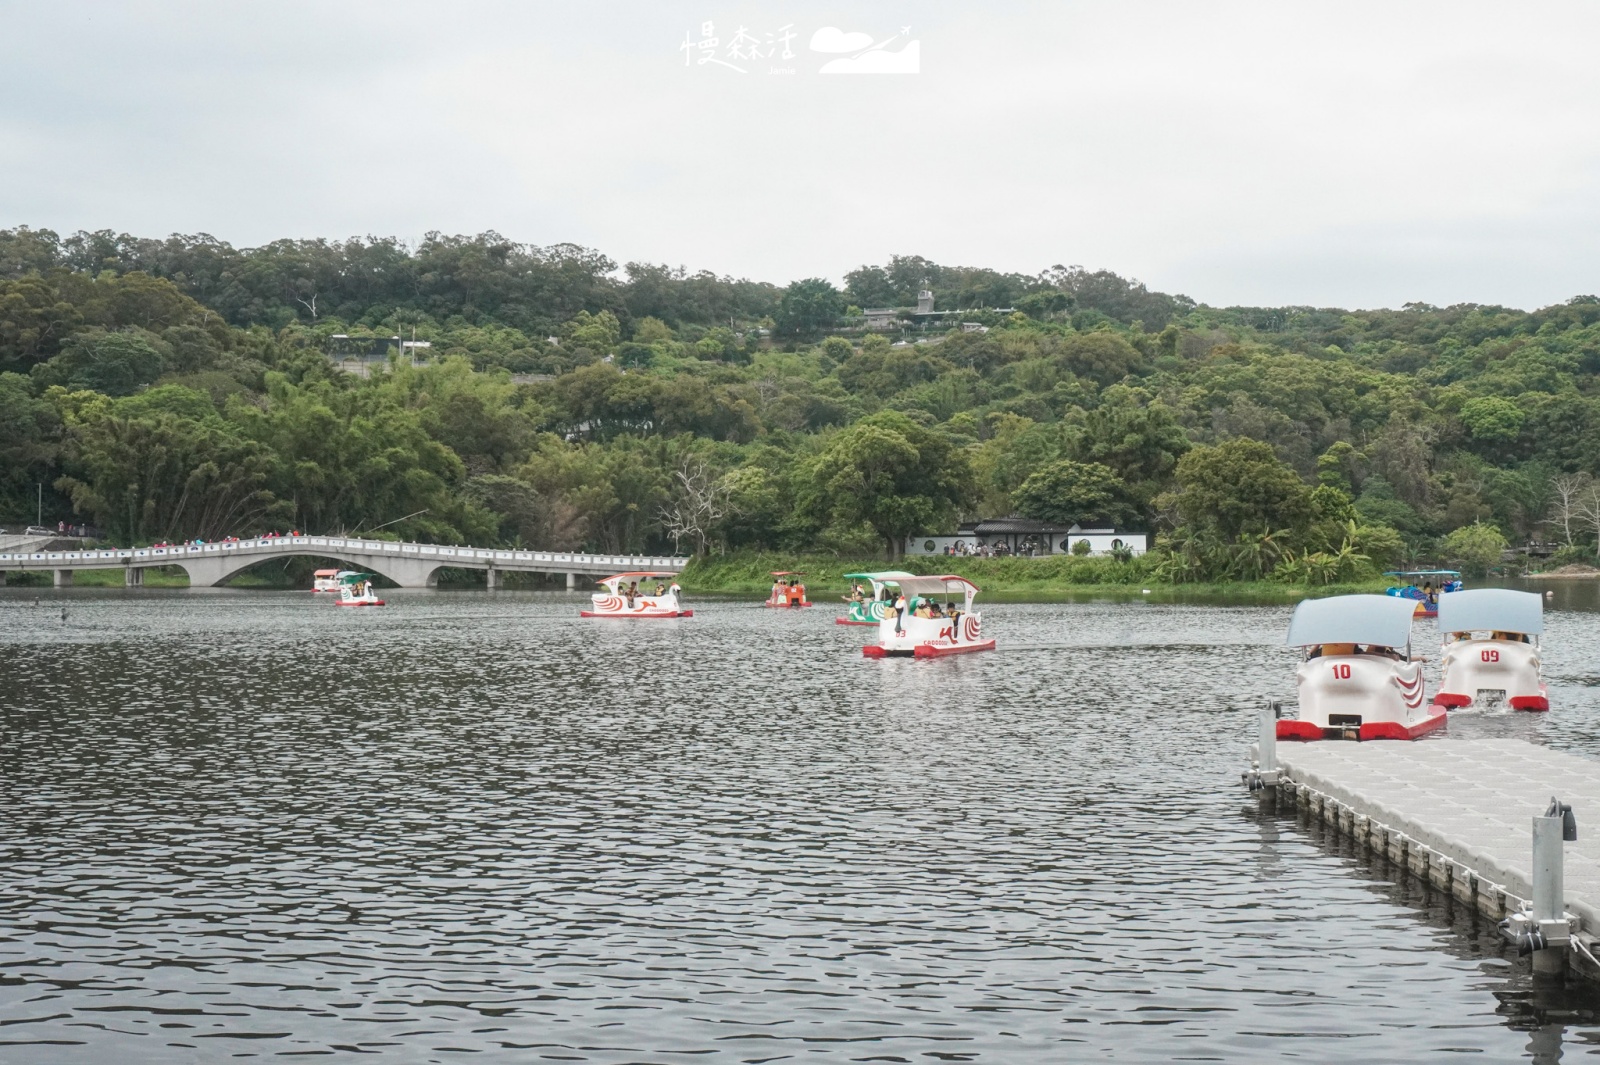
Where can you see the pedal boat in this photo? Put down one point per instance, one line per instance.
(1358, 680)
(613, 601)
(326, 580)
(956, 631)
(355, 589)
(1427, 601)
(871, 611)
(1491, 648)
(787, 594)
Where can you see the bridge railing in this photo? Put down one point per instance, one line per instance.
(448, 555)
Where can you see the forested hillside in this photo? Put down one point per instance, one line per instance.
(181, 388)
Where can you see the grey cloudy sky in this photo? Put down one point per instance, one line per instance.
(1345, 153)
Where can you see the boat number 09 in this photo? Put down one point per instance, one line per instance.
(1491, 656)
(1341, 671)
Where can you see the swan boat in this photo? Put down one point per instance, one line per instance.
(325, 580)
(1426, 597)
(1358, 680)
(918, 626)
(787, 593)
(871, 610)
(1491, 648)
(615, 602)
(355, 589)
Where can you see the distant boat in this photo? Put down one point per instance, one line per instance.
(615, 602)
(355, 589)
(869, 609)
(1426, 597)
(790, 593)
(325, 580)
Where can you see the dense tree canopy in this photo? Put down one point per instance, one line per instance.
(182, 387)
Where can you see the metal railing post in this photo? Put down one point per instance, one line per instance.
(1267, 737)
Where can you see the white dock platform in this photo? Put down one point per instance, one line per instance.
(1456, 812)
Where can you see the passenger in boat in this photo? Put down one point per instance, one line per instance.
(1332, 649)
(1509, 637)
(661, 589)
(632, 593)
(1380, 651)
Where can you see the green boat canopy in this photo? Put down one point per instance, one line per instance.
(886, 575)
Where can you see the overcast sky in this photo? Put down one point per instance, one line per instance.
(1342, 154)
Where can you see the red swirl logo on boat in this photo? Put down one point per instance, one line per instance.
(969, 627)
(610, 602)
(1411, 690)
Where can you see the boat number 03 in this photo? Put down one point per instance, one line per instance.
(1491, 655)
(1341, 671)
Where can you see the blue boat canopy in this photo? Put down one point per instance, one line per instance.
(1422, 573)
(1384, 620)
(1493, 609)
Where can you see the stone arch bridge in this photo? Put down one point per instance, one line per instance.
(408, 565)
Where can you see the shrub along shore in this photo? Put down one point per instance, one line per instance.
(1055, 577)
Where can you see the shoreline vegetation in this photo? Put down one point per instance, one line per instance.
(551, 398)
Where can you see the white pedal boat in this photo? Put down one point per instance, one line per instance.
(326, 580)
(616, 602)
(1357, 680)
(1491, 648)
(903, 632)
(871, 609)
(355, 589)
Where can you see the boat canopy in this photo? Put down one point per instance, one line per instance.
(936, 585)
(353, 577)
(1495, 609)
(630, 576)
(326, 573)
(1384, 620)
(885, 575)
(1423, 573)
(788, 573)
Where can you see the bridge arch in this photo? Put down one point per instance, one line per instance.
(209, 572)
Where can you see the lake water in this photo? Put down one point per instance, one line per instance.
(251, 825)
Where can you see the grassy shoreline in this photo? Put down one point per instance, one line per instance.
(1058, 577)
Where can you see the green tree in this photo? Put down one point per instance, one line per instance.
(808, 307)
(1240, 485)
(1492, 420)
(116, 364)
(890, 473)
(1066, 491)
(1475, 548)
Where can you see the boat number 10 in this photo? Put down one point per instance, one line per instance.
(1491, 656)
(1341, 671)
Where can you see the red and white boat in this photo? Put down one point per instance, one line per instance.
(355, 589)
(622, 597)
(325, 580)
(927, 622)
(1491, 649)
(1358, 680)
(787, 592)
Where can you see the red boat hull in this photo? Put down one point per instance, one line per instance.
(926, 650)
(637, 617)
(1370, 730)
(376, 602)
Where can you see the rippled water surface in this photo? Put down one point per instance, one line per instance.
(245, 824)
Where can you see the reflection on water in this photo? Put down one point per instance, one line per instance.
(249, 824)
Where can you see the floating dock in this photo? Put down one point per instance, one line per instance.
(1465, 815)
